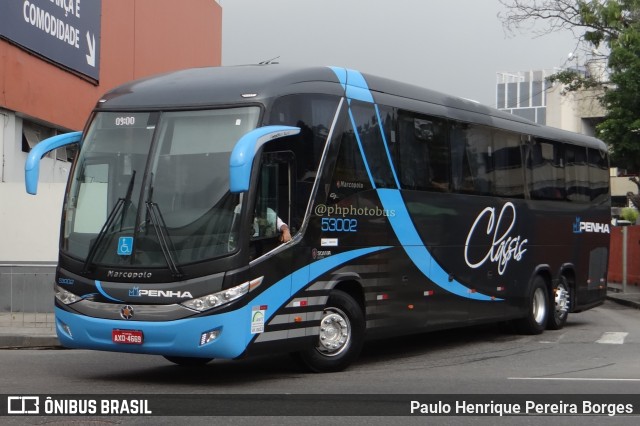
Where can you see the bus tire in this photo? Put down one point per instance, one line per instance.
(340, 337)
(187, 361)
(537, 308)
(561, 303)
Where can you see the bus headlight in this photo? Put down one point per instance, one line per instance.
(65, 296)
(223, 297)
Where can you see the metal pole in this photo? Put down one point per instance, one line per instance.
(624, 259)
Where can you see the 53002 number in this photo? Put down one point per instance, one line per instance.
(336, 224)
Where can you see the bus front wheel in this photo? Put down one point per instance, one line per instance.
(340, 335)
(537, 308)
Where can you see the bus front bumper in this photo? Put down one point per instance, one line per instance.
(188, 337)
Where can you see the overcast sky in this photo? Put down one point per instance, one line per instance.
(454, 46)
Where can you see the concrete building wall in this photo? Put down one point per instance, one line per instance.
(138, 38)
(39, 98)
(576, 111)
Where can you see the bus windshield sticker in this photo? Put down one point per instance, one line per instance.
(504, 247)
(125, 246)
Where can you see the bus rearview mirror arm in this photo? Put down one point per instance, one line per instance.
(245, 150)
(32, 165)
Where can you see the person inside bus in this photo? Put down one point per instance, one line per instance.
(265, 226)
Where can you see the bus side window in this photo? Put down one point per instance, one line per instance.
(480, 153)
(545, 170)
(598, 174)
(508, 176)
(462, 179)
(422, 157)
(350, 174)
(577, 184)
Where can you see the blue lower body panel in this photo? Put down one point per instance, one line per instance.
(175, 338)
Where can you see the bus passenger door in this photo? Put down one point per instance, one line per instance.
(273, 203)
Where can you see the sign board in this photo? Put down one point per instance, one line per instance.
(64, 31)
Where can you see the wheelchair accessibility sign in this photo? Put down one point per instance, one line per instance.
(125, 246)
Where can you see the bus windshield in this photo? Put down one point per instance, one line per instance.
(152, 188)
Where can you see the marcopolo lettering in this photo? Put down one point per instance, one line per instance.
(349, 185)
(129, 274)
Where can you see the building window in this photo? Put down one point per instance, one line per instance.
(33, 133)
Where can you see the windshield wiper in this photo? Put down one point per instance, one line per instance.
(166, 244)
(122, 205)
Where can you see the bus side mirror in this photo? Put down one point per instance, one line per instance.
(32, 165)
(245, 150)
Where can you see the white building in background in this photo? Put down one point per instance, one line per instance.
(530, 95)
(524, 93)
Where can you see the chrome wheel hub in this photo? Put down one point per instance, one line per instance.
(335, 332)
(561, 300)
(539, 306)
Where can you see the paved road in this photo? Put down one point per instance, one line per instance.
(596, 353)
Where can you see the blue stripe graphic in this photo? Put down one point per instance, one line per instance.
(182, 337)
(391, 199)
(354, 84)
(276, 295)
(414, 247)
(104, 293)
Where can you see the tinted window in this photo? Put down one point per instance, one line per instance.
(349, 173)
(462, 179)
(314, 115)
(422, 153)
(577, 174)
(472, 165)
(545, 170)
(372, 142)
(598, 175)
(508, 176)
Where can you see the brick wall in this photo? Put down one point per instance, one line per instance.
(633, 255)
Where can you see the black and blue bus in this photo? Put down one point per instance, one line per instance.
(409, 211)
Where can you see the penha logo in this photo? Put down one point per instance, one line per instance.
(136, 292)
(591, 227)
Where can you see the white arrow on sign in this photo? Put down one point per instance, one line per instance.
(91, 57)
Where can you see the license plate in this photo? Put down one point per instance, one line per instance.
(127, 337)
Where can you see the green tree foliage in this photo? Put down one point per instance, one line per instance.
(610, 24)
(629, 214)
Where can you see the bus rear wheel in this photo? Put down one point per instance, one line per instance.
(187, 361)
(340, 337)
(537, 308)
(562, 302)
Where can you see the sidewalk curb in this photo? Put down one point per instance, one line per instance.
(626, 302)
(14, 340)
